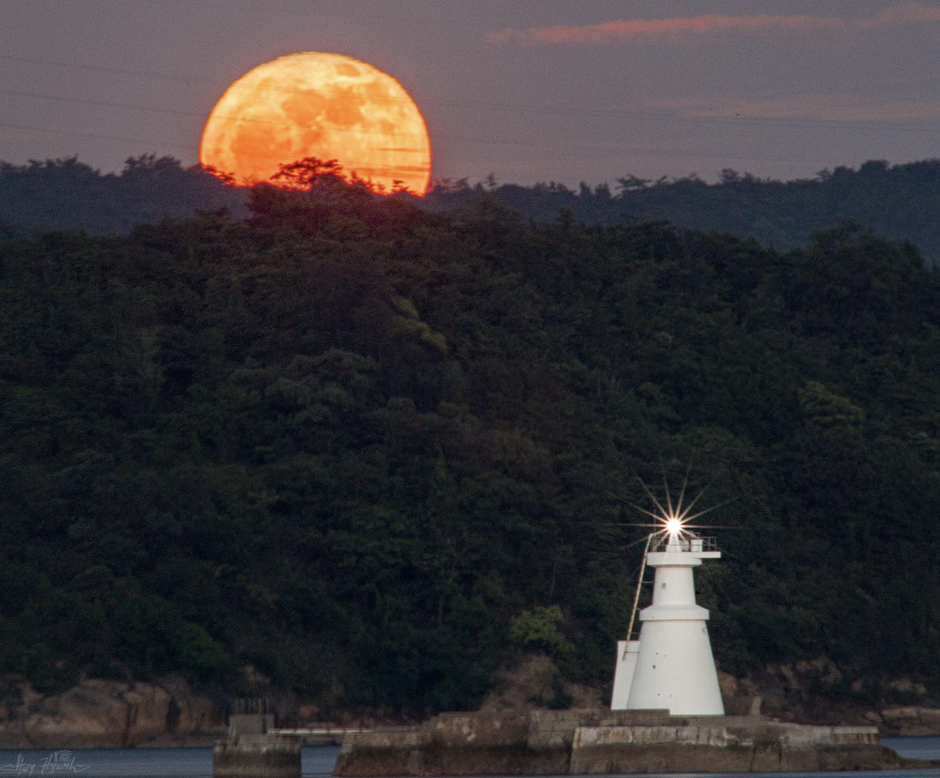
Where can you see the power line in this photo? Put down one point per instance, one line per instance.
(99, 68)
(551, 110)
(266, 8)
(348, 165)
(489, 141)
(192, 80)
(84, 134)
(528, 144)
(168, 111)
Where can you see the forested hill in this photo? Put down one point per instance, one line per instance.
(66, 193)
(375, 452)
(900, 202)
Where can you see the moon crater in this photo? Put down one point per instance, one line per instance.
(321, 105)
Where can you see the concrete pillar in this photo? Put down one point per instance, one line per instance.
(257, 756)
(623, 673)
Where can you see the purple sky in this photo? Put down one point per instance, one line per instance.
(528, 90)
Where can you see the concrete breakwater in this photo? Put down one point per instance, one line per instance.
(601, 741)
(257, 756)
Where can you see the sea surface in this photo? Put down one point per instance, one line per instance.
(317, 761)
(138, 762)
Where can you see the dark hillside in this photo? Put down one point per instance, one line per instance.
(66, 193)
(899, 201)
(374, 451)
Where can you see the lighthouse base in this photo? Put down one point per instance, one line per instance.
(726, 749)
(579, 742)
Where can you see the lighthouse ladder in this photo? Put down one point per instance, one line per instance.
(639, 588)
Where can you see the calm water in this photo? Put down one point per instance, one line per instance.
(139, 762)
(317, 761)
(914, 747)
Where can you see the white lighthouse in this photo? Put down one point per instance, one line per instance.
(671, 665)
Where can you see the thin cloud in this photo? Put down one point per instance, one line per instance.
(844, 107)
(904, 14)
(690, 26)
(630, 29)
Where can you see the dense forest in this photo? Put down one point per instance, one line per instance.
(899, 202)
(66, 193)
(376, 451)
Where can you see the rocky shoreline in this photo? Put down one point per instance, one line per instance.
(100, 713)
(814, 692)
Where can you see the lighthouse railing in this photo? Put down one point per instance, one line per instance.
(680, 543)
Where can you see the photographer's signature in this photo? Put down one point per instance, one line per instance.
(55, 762)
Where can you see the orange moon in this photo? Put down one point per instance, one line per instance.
(321, 105)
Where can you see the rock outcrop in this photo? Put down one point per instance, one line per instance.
(816, 692)
(108, 714)
(909, 721)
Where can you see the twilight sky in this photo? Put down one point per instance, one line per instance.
(528, 90)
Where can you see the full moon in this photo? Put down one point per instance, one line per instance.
(320, 105)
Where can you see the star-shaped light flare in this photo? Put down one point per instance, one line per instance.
(673, 517)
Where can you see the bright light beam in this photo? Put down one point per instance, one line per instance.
(673, 516)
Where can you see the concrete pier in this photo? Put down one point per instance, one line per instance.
(718, 748)
(598, 741)
(257, 756)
